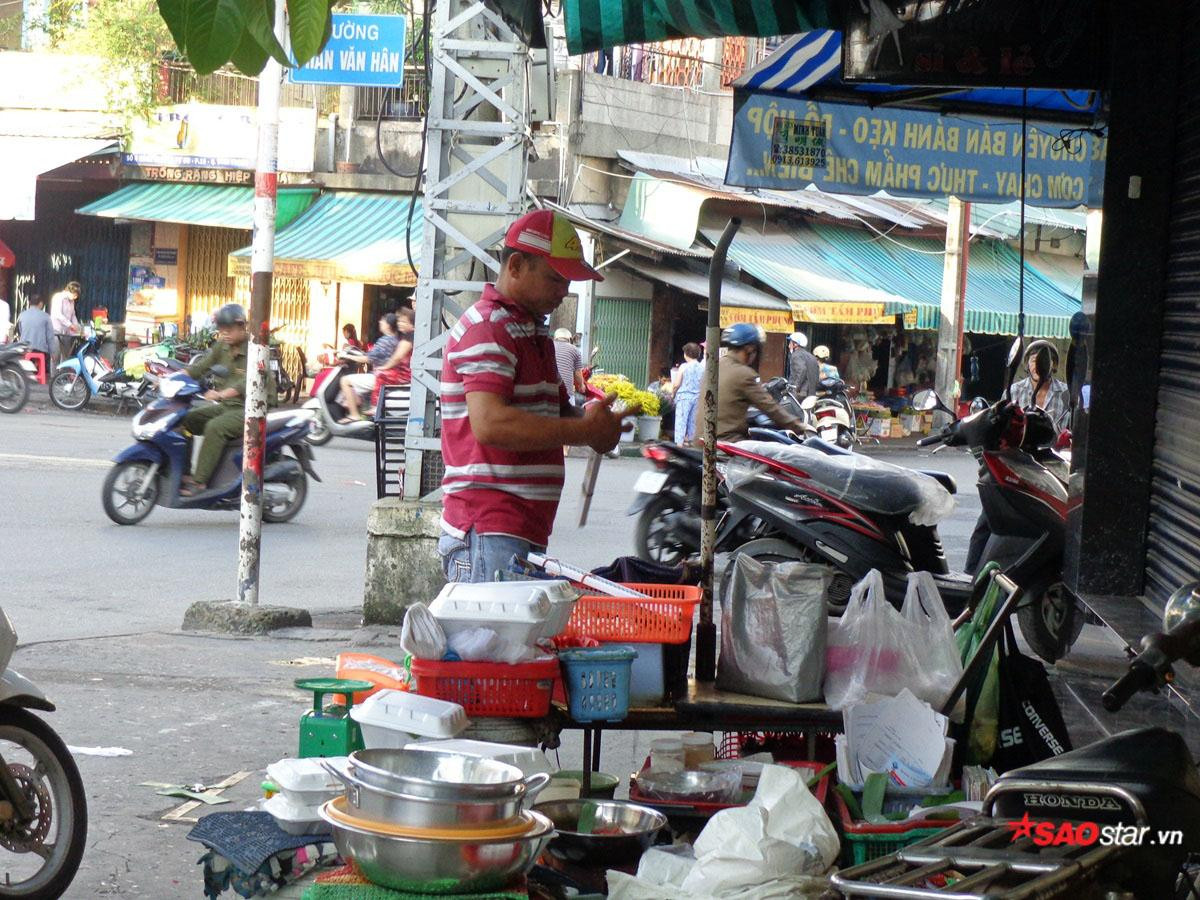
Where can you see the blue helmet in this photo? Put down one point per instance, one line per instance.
(741, 334)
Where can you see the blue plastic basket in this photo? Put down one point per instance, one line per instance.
(597, 680)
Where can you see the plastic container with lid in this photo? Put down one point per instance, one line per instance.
(516, 610)
(666, 755)
(295, 818)
(304, 783)
(397, 718)
(698, 749)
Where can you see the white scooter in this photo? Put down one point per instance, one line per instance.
(830, 413)
(326, 408)
(43, 809)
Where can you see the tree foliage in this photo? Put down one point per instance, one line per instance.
(211, 33)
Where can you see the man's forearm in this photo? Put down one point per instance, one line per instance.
(520, 430)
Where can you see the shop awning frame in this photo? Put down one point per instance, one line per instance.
(348, 236)
(213, 205)
(26, 157)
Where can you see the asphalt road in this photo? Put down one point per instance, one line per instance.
(98, 607)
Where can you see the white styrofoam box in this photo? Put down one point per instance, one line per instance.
(563, 597)
(516, 610)
(303, 783)
(529, 760)
(295, 818)
(396, 718)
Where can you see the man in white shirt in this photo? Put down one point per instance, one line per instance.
(5, 320)
(64, 320)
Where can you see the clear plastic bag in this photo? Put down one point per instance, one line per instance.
(872, 648)
(934, 633)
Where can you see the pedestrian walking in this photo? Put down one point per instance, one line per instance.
(804, 369)
(66, 323)
(570, 364)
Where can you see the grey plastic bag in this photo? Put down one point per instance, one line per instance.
(773, 626)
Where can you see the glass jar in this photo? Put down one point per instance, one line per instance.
(666, 755)
(697, 749)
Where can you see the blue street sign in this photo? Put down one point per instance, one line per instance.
(366, 51)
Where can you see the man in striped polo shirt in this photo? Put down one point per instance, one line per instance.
(505, 413)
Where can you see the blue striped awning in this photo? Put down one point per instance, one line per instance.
(798, 63)
(348, 236)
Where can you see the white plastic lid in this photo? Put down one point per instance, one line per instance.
(412, 714)
(283, 809)
(497, 603)
(306, 774)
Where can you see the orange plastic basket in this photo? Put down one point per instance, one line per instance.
(486, 689)
(664, 617)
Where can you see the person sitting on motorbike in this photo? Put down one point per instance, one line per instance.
(738, 388)
(821, 352)
(223, 420)
(1041, 390)
(350, 339)
(378, 356)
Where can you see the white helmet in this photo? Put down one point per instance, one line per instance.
(797, 337)
(821, 352)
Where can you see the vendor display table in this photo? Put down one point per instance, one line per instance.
(704, 708)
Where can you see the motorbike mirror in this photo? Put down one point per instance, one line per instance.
(1014, 360)
(979, 404)
(1183, 606)
(927, 400)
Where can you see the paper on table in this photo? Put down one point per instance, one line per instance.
(907, 741)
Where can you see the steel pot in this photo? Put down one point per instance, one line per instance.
(439, 866)
(639, 826)
(399, 808)
(442, 775)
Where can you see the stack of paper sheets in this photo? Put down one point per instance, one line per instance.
(901, 737)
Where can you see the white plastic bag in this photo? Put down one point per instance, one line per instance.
(421, 635)
(941, 664)
(872, 649)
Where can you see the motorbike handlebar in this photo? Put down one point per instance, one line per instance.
(1140, 677)
(932, 439)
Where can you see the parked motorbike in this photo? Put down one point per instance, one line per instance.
(43, 808)
(831, 413)
(150, 472)
(87, 374)
(1117, 818)
(326, 407)
(15, 373)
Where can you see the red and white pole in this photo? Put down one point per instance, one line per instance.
(262, 267)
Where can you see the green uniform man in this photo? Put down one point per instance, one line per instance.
(223, 421)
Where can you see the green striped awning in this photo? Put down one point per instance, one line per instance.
(348, 236)
(216, 205)
(599, 24)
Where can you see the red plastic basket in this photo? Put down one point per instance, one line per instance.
(489, 689)
(664, 617)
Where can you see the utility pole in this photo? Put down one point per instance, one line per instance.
(954, 289)
(262, 267)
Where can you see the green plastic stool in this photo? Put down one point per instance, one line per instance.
(329, 730)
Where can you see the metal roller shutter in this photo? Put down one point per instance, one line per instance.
(622, 331)
(1173, 539)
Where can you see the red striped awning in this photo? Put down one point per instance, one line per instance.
(8, 259)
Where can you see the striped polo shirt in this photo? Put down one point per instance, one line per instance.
(498, 347)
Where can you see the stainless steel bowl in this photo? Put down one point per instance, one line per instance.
(366, 801)
(441, 775)
(433, 866)
(691, 787)
(639, 826)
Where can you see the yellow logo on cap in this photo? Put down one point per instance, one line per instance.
(564, 240)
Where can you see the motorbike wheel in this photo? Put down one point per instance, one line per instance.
(651, 541)
(39, 858)
(319, 434)
(14, 390)
(121, 503)
(282, 500)
(776, 550)
(69, 390)
(1050, 620)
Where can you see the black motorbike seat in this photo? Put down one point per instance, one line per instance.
(944, 478)
(686, 452)
(864, 482)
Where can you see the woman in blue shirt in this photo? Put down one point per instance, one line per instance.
(686, 382)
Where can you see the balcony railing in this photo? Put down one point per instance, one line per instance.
(679, 63)
(179, 84)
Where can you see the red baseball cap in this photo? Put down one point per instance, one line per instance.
(545, 233)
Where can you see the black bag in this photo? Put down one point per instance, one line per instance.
(1030, 724)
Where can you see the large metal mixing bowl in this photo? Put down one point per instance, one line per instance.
(638, 826)
(439, 866)
(441, 775)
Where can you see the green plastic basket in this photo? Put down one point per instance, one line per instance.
(862, 841)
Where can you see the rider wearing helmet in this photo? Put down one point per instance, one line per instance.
(821, 352)
(1041, 390)
(738, 388)
(803, 371)
(222, 421)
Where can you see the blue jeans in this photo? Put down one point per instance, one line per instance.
(477, 557)
(685, 417)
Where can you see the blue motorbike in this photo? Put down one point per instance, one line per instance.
(87, 374)
(150, 472)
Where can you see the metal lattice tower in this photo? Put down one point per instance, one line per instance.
(477, 154)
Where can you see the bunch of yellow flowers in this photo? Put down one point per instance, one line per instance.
(627, 392)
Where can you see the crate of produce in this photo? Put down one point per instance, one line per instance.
(597, 680)
(485, 689)
(664, 616)
(862, 841)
